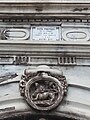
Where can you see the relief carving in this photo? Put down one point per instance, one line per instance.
(43, 88)
(75, 35)
(14, 34)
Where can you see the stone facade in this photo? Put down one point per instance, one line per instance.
(54, 35)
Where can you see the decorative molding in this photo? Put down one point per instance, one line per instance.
(6, 60)
(76, 35)
(44, 1)
(45, 20)
(36, 31)
(37, 9)
(15, 34)
(67, 60)
(21, 60)
(37, 60)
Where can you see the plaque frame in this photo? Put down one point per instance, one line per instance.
(44, 34)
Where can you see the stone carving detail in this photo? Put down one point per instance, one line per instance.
(75, 35)
(21, 60)
(14, 34)
(43, 88)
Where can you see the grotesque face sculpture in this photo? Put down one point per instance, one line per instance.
(43, 88)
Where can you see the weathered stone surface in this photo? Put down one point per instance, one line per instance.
(66, 48)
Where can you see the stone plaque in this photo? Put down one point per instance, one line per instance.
(45, 32)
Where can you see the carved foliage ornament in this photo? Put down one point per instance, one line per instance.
(43, 88)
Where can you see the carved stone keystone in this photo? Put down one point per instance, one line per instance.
(43, 88)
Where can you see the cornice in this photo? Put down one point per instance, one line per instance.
(43, 8)
(45, 1)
